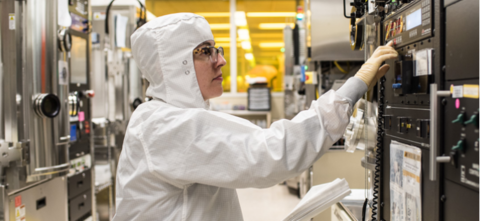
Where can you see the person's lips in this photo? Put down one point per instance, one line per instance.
(219, 78)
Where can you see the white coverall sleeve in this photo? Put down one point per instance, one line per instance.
(218, 149)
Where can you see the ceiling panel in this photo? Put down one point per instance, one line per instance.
(164, 7)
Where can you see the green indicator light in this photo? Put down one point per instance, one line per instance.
(282, 49)
(300, 16)
(306, 67)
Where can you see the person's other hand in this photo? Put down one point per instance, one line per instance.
(371, 70)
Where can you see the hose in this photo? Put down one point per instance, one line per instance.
(379, 149)
(340, 68)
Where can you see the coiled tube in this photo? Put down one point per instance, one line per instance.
(378, 154)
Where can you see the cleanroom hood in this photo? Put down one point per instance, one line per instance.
(163, 49)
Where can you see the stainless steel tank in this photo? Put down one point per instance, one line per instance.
(34, 117)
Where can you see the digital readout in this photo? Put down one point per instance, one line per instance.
(414, 19)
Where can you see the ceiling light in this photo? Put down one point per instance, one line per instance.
(266, 35)
(243, 34)
(271, 14)
(240, 19)
(222, 39)
(275, 25)
(272, 45)
(226, 45)
(246, 45)
(249, 56)
(248, 14)
(213, 14)
(220, 26)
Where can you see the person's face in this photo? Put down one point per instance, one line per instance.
(208, 67)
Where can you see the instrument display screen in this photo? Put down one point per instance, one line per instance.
(414, 19)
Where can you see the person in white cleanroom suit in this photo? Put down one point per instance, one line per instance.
(182, 161)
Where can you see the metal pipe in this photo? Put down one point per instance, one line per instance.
(2, 124)
(61, 166)
(444, 159)
(434, 132)
(345, 14)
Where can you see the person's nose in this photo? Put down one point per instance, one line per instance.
(220, 61)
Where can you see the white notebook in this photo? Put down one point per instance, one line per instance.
(319, 198)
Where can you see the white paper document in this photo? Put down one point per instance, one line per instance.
(63, 14)
(318, 199)
(405, 182)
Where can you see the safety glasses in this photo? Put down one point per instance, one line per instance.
(209, 52)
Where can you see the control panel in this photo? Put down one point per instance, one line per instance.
(460, 132)
(408, 24)
(405, 92)
(410, 75)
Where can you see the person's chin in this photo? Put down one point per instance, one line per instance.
(218, 91)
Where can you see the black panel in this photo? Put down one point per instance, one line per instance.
(407, 99)
(79, 183)
(467, 133)
(401, 73)
(404, 123)
(461, 52)
(80, 206)
(79, 148)
(460, 203)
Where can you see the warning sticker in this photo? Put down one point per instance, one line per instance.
(11, 21)
(457, 91)
(18, 201)
(470, 91)
(20, 213)
(99, 16)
